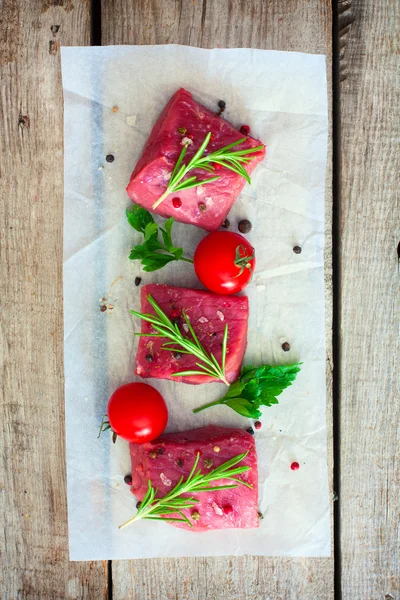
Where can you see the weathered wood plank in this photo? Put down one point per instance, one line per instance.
(34, 541)
(302, 25)
(370, 312)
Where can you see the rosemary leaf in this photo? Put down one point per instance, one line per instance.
(159, 509)
(179, 343)
(233, 161)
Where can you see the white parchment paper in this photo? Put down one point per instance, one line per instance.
(283, 98)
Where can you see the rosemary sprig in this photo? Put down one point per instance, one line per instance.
(208, 364)
(225, 157)
(159, 509)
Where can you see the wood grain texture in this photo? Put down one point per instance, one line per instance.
(300, 25)
(370, 312)
(34, 539)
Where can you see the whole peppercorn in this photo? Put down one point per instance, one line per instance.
(138, 281)
(257, 425)
(245, 129)
(245, 226)
(153, 454)
(110, 158)
(286, 346)
(176, 202)
(295, 466)
(297, 250)
(103, 308)
(179, 462)
(222, 104)
(250, 430)
(160, 451)
(128, 479)
(177, 355)
(195, 515)
(227, 509)
(149, 357)
(226, 223)
(138, 504)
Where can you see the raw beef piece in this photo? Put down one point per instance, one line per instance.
(172, 455)
(208, 313)
(205, 206)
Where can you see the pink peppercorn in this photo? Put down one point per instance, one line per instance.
(227, 509)
(245, 129)
(176, 202)
(295, 466)
(217, 166)
(257, 425)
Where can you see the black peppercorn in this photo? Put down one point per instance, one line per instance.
(177, 355)
(128, 479)
(222, 104)
(245, 226)
(226, 223)
(286, 346)
(110, 158)
(138, 280)
(179, 462)
(138, 504)
(160, 451)
(175, 320)
(297, 250)
(214, 334)
(149, 357)
(103, 308)
(250, 430)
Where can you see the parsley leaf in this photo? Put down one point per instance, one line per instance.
(256, 387)
(153, 253)
(138, 218)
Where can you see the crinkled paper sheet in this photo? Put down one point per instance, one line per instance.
(282, 96)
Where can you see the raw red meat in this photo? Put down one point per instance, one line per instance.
(172, 455)
(205, 206)
(208, 314)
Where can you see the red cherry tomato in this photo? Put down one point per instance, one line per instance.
(137, 413)
(224, 262)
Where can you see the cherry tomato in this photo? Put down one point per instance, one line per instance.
(224, 262)
(137, 413)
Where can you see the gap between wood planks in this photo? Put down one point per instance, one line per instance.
(96, 40)
(336, 295)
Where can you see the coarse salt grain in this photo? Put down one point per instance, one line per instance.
(217, 509)
(203, 320)
(131, 120)
(185, 327)
(220, 315)
(165, 480)
(186, 141)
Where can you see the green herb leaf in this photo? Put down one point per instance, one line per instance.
(243, 407)
(153, 253)
(154, 508)
(155, 261)
(138, 217)
(232, 160)
(150, 230)
(256, 387)
(208, 364)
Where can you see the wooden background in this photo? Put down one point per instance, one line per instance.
(364, 84)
